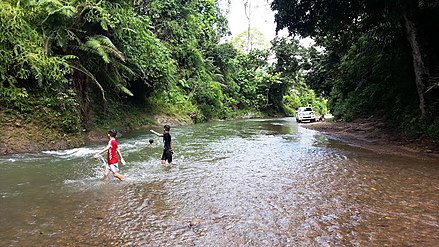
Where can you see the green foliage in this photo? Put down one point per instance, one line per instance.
(291, 103)
(366, 67)
(13, 97)
(210, 100)
(78, 64)
(257, 41)
(147, 57)
(54, 111)
(322, 70)
(103, 47)
(293, 64)
(174, 102)
(25, 68)
(60, 112)
(373, 78)
(290, 57)
(304, 97)
(24, 61)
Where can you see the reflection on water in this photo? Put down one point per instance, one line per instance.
(236, 183)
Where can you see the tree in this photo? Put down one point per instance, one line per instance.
(321, 70)
(25, 66)
(255, 37)
(340, 23)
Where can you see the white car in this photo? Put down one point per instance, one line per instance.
(305, 114)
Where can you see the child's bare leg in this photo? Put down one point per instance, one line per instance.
(106, 172)
(119, 176)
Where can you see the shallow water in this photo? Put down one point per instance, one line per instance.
(265, 182)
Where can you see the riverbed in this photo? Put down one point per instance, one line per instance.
(256, 182)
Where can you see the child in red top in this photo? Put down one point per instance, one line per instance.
(112, 160)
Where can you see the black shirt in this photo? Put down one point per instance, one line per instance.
(167, 141)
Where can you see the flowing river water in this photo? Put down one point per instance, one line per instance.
(259, 182)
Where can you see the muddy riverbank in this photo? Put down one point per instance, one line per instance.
(374, 135)
(23, 136)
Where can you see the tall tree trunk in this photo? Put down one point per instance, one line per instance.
(84, 106)
(247, 9)
(421, 72)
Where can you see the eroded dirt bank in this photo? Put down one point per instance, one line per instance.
(376, 136)
(20, 136)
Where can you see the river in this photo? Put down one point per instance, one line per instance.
(258, 182)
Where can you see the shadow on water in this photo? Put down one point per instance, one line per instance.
(258, 182)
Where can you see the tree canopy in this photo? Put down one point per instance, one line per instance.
(380, 57)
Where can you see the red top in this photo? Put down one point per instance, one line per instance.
(111, 155)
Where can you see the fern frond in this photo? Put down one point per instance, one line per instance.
(123, 89)
(94, 46)
(102, 46)
(110, 47)
(55, 7)
(67, 11)
(69, 57)
(115, 79)
(125, 69)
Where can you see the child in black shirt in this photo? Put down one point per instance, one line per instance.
(167, 149)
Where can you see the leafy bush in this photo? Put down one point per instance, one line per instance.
(173, 102)
(25, 63)
(304, 97)
(61, 111)
(210, 99)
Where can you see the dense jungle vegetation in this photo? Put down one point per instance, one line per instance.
(69, 66)
(381, 58)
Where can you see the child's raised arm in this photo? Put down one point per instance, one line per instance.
(156, 133)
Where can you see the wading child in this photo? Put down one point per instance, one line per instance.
(112, 160)
(152, 143)
(167, 149)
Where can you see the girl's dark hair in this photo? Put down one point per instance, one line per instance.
(112, 132)
(167, 127)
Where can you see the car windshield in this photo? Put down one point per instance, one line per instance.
(305, 109)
